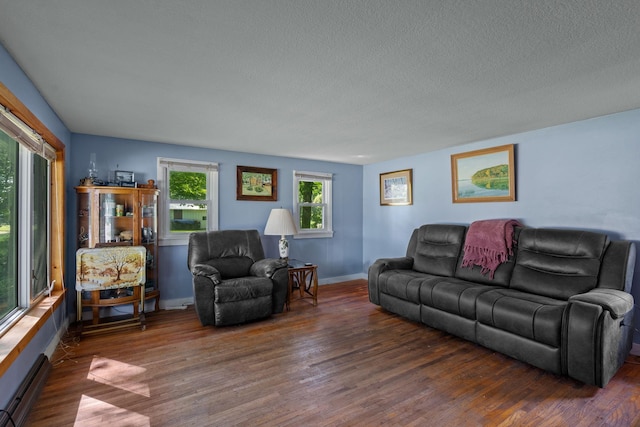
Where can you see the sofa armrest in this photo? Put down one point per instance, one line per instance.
(617, 303)
(206, 270)
(267, 267)
(381, 265)
(598, 334)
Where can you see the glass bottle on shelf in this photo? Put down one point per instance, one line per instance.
(93, 170)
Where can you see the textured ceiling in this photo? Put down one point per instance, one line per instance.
(348, 81)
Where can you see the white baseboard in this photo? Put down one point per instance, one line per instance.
(338, 279)
(53, 344)
(175, 304)
(635, 349)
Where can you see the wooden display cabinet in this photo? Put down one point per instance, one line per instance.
(112, 216)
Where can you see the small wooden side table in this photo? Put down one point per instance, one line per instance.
(305, 277)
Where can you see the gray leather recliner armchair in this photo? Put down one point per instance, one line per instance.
(233, 282)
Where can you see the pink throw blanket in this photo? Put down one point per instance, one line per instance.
(488, 244)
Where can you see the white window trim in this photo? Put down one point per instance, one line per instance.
(327, 201)
(164, 166)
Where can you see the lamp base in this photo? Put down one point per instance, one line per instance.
(283, 247)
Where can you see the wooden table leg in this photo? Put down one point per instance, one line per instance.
(289, 290)
(314, 273)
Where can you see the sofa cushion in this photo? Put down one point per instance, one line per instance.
(557, 263)
(403, 284)
(243, 288)
(530, 316)
(452, 295)
(437, 248)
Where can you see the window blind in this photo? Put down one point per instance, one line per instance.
(190, 165)
(27, 137)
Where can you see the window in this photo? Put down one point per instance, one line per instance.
(312, 204)
(188, 199)
(24, 217)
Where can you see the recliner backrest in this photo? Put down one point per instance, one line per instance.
(232, 252)
(558, 263)
(437, 248)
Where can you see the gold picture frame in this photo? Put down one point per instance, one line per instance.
(486, 175)
(396, 188)
(257, 184)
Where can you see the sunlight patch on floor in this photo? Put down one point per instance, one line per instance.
(121, 375)
(94, 412)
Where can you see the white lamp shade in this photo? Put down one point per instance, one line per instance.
(280, 223)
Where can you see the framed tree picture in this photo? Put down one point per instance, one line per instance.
(258, 184)
(486, 175)
(396, 188)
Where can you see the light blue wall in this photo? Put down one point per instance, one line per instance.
(337, 257)
(19, 84)
(581, 175)
(12, 76)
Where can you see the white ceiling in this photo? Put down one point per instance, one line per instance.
(351, 81)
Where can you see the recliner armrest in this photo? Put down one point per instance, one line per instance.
(617, 303)
(207, 271)
(267, 267)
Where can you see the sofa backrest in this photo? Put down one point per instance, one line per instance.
(437, 247)
(502, 276)
(558, 263)
(618, 265)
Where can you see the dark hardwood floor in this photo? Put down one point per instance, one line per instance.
(345, 362)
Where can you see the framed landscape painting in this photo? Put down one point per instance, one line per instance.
(396, 188)
(258, 184)
(486, 175)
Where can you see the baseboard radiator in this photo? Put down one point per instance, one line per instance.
(18, 408)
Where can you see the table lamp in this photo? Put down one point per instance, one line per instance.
(280, 223)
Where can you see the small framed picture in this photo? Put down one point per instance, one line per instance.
(395, 188)
(257, 184)
(124, 176)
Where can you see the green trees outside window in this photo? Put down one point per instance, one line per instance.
(8, 225)
(310, 202)
(187, 185)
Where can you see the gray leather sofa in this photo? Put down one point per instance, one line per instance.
(232, 280)
(562, 302)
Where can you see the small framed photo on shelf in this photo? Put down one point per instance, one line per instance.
(125, 178)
